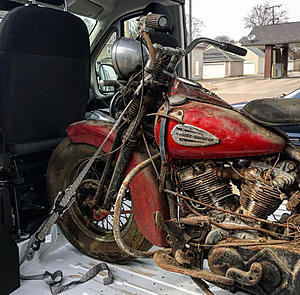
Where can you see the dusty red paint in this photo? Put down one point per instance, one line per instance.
(197, 93)
(144, 187)
(239, 135)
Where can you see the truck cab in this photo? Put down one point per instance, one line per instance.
(53, 56)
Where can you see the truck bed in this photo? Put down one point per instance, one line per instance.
(139, 277)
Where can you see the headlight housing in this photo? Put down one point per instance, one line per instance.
(127, 57)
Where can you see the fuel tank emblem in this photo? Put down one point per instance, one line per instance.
(189, 135)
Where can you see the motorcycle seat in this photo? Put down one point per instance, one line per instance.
(274, 112)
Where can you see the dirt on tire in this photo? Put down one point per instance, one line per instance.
(60, 175)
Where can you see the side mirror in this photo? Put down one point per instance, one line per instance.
(106, 72)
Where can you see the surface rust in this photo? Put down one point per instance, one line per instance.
(169, 263)
(293, 201)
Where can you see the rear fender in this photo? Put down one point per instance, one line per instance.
(144, 188)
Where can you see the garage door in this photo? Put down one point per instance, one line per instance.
(249, 68)
(213, 70)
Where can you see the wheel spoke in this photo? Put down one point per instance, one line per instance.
(125, 204)
(95, 172)
(105, 224)
(110, 223)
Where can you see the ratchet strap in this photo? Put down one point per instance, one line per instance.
(63, 202)
(162, 147)
(54, 280)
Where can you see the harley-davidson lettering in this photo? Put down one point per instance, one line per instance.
(189, 135)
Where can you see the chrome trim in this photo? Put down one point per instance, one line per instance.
(189, 135)
(127, 56)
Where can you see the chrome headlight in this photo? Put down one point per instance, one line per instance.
(127, 56)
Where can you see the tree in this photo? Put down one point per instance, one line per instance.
(265, 14)
(197, 24)
(224, 38)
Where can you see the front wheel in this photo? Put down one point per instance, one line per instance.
(92, 237)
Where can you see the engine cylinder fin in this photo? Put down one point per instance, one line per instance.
(259, 200)
(202, 183)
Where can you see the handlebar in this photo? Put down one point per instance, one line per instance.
(222, 45)
(160, 21)
(178, 53)
(233, 49)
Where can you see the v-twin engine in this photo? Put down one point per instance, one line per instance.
(223, 216)
(200, 181)
(262, 185)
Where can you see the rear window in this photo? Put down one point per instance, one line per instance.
(89, 22)
(2, 14)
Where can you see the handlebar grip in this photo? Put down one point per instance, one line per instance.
(157, 21)
(233, 49)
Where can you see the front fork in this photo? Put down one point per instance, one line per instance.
(130, 139)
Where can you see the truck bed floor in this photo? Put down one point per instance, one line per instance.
(141, 277)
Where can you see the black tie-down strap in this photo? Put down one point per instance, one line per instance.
(63, 202)
(54, 280)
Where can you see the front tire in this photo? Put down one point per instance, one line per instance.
(98, 243)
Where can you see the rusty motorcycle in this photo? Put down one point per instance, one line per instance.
(187, 172)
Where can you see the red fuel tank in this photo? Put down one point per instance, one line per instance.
(211, 131)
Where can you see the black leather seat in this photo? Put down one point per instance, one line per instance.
(44, 77)
(162, 37)
(274, 112)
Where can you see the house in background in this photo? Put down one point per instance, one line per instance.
(197, 62)
(275, 39)
(220, 64)
(254, 61)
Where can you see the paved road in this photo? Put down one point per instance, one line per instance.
(239, 89)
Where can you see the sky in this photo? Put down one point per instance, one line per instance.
(225, 17)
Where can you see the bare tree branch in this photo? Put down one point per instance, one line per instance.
(262, 15)
(197, 24)
(224, 38)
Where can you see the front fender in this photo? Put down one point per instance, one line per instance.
(144, 188)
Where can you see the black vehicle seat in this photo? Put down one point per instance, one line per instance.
(162, 37)
(274, 112)
(44, 77)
